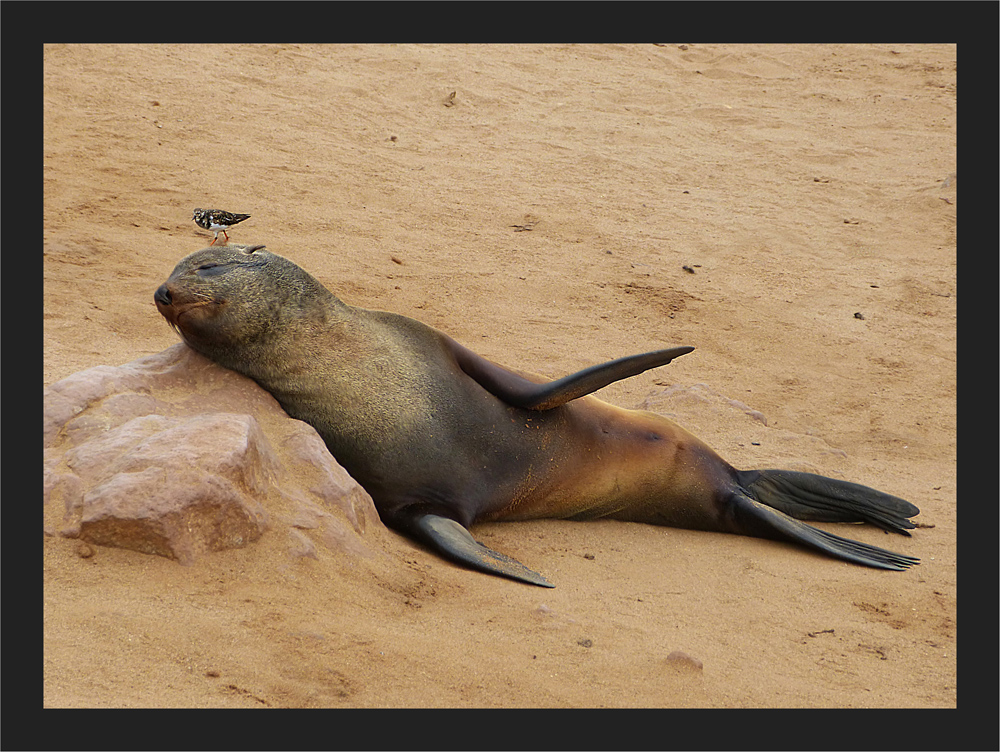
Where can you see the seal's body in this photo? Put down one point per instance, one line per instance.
(442, 438)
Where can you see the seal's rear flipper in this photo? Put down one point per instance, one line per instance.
(520, 392)
(753, 518)
(806, 496)
(449, 538)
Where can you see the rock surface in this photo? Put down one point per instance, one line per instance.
(174, 455)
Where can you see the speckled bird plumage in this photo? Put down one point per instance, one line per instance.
(216, 220)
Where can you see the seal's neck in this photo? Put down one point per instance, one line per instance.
(282, 338)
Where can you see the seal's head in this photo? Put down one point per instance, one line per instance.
(224, 298)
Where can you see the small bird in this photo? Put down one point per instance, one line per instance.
(217, 221)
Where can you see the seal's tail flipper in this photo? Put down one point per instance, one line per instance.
(756, 519)
(814, 497)
(449, 538)
(769, 499)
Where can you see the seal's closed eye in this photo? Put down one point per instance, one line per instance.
(215, 268)
(212, 269)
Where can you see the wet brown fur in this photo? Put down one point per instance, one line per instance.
(386, 391)
(430, 429)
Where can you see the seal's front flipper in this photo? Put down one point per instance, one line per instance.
(591, 379)
(520, 392)
(750, 517)
(449, 538)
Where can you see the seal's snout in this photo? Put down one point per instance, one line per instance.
(162, 295)
(165, 305)
(177, 303)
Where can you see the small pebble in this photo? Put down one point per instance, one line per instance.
(84, 550)
(683, 660)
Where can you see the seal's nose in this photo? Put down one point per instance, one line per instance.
(162, 295)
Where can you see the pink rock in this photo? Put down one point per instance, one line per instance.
(176, 456)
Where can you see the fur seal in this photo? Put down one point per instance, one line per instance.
(443, 438)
